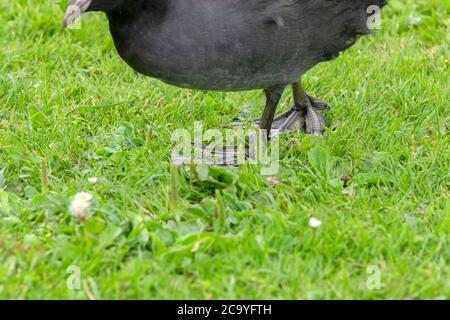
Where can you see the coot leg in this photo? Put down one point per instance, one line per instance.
(273, 96)
(303, 116)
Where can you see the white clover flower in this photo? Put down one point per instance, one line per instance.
(85, 196)
(93, 180)
(315, 223)
(81, 205)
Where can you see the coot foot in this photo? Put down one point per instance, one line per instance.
(304, 115)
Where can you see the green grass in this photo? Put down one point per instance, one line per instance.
(70, 109)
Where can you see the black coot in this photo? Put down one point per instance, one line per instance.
(235, 45)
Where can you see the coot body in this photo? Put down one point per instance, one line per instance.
(233, 45)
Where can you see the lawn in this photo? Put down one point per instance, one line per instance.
(71, 110)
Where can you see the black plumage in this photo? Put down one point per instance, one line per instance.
(235, 45)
